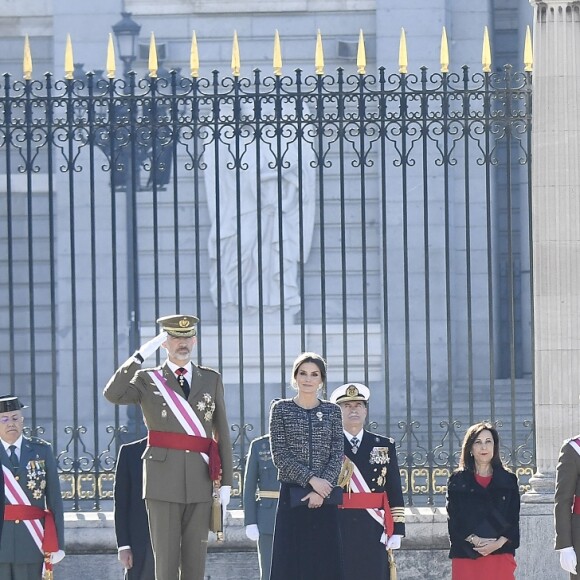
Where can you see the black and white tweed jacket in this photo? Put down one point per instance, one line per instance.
(306, 442)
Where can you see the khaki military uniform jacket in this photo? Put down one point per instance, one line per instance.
(567, 487)
(170, 474)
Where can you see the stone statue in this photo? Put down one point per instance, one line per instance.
(248, 218)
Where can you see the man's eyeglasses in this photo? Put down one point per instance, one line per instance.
(11, 419)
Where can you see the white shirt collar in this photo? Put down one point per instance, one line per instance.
(359, 435)
(174, 367)
(17, 444)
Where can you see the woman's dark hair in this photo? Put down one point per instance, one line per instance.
(309, 357)
(466, 461)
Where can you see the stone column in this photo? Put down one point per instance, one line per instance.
(556, 233)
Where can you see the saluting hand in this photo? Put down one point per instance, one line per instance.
(149, 348)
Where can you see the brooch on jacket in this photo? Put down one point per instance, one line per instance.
(35, 475)
(319, 415)
(206, 406)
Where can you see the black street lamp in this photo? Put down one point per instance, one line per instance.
(125, 175)
(126, 32)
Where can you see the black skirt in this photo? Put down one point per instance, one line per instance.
(306, 542)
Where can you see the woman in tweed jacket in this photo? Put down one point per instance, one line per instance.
(307, 448)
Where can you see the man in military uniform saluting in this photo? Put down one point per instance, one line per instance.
(367, 532)
(188, 445)
(261, 492)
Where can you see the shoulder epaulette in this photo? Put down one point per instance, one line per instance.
(202, 368)
(39, 441)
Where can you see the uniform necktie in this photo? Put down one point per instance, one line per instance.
(13, 456)
(354, 442)
(180, 372)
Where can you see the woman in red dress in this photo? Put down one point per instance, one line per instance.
(483, 510)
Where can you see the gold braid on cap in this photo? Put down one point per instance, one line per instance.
(345, 474)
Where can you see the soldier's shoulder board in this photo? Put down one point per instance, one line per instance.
(381, 440)
(207, 369)
(39, 441)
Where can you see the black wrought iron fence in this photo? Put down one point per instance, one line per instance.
(379, 219)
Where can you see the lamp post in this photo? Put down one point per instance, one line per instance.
(126, 32)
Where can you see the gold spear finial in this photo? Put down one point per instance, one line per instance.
(361, 55)
(486, 52)
(403, 60)
(528, 52)
(194, 56)
(277, 60)
(68, 59)
(111, 66)
(27, 60)
(153, 64)
(444, 55)
(319, 55)
(235, 56)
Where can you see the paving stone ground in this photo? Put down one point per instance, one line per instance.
(220, 566)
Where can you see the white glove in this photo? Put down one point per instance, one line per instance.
(568, 559)
(56, 557)
(225, 491)
(394, 542)
(146, 350)
(253, 532)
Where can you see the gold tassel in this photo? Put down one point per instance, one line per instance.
(392, 565)
(48, 574)
(346, 472)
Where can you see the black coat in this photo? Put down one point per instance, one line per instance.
(470, 506)
(131, 522)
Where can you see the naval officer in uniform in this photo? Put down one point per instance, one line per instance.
(567, 505)
(188, 450)
(261, 492)
(366, 536)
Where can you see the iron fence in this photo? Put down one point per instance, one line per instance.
(380, 219)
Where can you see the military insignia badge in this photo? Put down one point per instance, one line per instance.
(382, 477)
(206, 406)
(351, 391)
(379, 456)
(265, 455)
(36, 477)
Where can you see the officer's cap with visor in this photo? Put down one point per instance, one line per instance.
(350, 392)
(179, 325)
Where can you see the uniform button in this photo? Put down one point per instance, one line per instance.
(151, 457)
(17, 522)
(376, 469)
(17, 478)
(187, 450)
